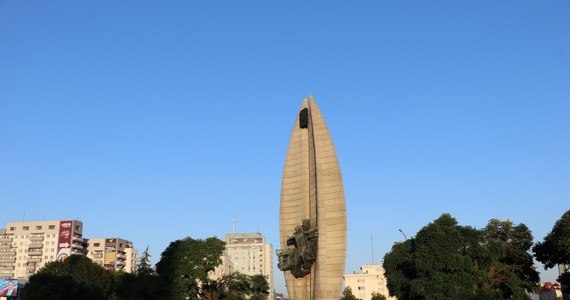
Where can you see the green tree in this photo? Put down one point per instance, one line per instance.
(44, 286)
(235, 286)
(82, 271)
(185, 265)
(513, 272)
(259, 287)
(229, 286)
(377, 296)
(139, 287)
(347, 294)
(437, 264)
(144, 267)
(449, 261)
(555, 250)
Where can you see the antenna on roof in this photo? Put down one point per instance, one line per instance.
(372, 246)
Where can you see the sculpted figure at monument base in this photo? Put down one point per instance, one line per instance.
(301, 251)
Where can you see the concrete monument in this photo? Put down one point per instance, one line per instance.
(312, 211)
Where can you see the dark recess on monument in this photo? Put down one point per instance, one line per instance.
(304, 118)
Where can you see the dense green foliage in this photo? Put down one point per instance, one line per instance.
(377, 296)
(185, 264)
(449, 261)
(258, 287)
(235, 286)
(77, 269)
(513, 273)
(44, 286)
(555, 249)
(139, 287)
(182, 273)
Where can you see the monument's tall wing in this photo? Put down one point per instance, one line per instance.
(312, 189)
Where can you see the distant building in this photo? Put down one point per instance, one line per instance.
(549, 291)
(25, 247)
(369, 280)
(250, 254)
(113, 254)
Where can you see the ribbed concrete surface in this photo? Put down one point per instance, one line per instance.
(312, 188)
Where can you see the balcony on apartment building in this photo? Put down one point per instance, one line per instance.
(7, 251)
(35, 245)
(7, 268)
(5, 259)
(37, 238)
(35, 253)
(34, 259)
(77, 239)
(6, 238)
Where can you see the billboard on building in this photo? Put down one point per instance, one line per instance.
(8, 288)
(110, 253)
(64, 240)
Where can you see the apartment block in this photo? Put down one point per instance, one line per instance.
(369, 280)
(27, 246)
(113, 254)
(250, 254)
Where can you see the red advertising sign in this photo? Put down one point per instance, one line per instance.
(64, 240)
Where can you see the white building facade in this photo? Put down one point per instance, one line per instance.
(250, 254)
(369, 280)
(25, 247)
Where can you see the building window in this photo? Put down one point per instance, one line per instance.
(12, 228)
(96, 244)
(38, 227)
(51, 227)
(77, 227)
(26, 228)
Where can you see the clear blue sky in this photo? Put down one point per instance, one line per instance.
(154, 121)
